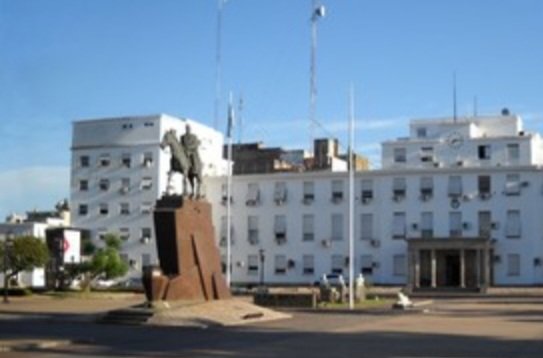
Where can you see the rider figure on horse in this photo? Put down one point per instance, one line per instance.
(190, 144)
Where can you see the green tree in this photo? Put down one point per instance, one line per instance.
(106, 263)
(24, 254)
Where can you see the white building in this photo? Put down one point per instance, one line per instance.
(455, 204)
(118, 171)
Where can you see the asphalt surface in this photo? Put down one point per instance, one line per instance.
(448, 329)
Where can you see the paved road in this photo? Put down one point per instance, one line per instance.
(450, 329)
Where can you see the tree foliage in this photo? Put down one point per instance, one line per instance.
(24, 254)
(106, 263)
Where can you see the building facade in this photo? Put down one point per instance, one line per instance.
(456, 204)
(118, 171)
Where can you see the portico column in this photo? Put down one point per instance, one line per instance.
(417, 268)
(434, 268)
(462, 268)
(486, 264)
(478, 267)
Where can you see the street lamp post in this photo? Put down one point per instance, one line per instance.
(261, 253)
(7, 239)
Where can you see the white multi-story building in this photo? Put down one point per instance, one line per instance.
(118, 171)
(455, 204)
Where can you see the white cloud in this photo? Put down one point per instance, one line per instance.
(31, 188)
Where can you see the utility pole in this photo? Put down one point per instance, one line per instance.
(351, 199)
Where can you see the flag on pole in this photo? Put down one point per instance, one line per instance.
(231, 119)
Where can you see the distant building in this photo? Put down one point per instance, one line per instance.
(34, 223)
(254, 158)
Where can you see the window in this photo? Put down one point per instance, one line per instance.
(104, 160)
(455, 186)
(126, 160)
(366, 226)
(308, 262)
(337, 227)
(252, 264)
(253, 194)
(145, 260)
(513, 152)
(366, 264)
(399, 265)
(512, 225)
(485, 223)
(427, 154)
(252, 227)
(399, 188)
(338, 261)
(148, 124)
(146, 183)
(512, 184)
(103, 184)
(83, 209)
(101, 233)
(146, 233)
(280, 193)
(426, 188)
(83, 185)
(125, 185)
(398, 225)
(309, 192)
(367, 190)
(103, 209)
(455, 223)
(125, 209)
(280, 264)
(124, 233)
(280, 228)
(146, 208)
(224, 232)
(147, 159)
(224, 194)
(84, 161)
(426, 225)
(513, 265)
(308, 227)
(484, 152)
(421, 132)
(400, 155)
(483, 184)
(337, 190)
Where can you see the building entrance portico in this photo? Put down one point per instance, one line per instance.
(449, 263)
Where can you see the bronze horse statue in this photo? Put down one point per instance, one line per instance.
(181, 163)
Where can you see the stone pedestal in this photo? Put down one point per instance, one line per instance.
(190, 264)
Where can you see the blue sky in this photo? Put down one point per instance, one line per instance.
(61, 60)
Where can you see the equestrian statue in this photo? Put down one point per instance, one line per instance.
(185, 160)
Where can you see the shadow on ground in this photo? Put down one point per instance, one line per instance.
(144, 341)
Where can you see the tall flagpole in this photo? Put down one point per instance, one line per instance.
(351, 199)
(229, 194)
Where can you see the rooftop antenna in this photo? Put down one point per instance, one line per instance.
(455, 118)
(317, 11)
(240, 120)
(475, 105)
(218, 64)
